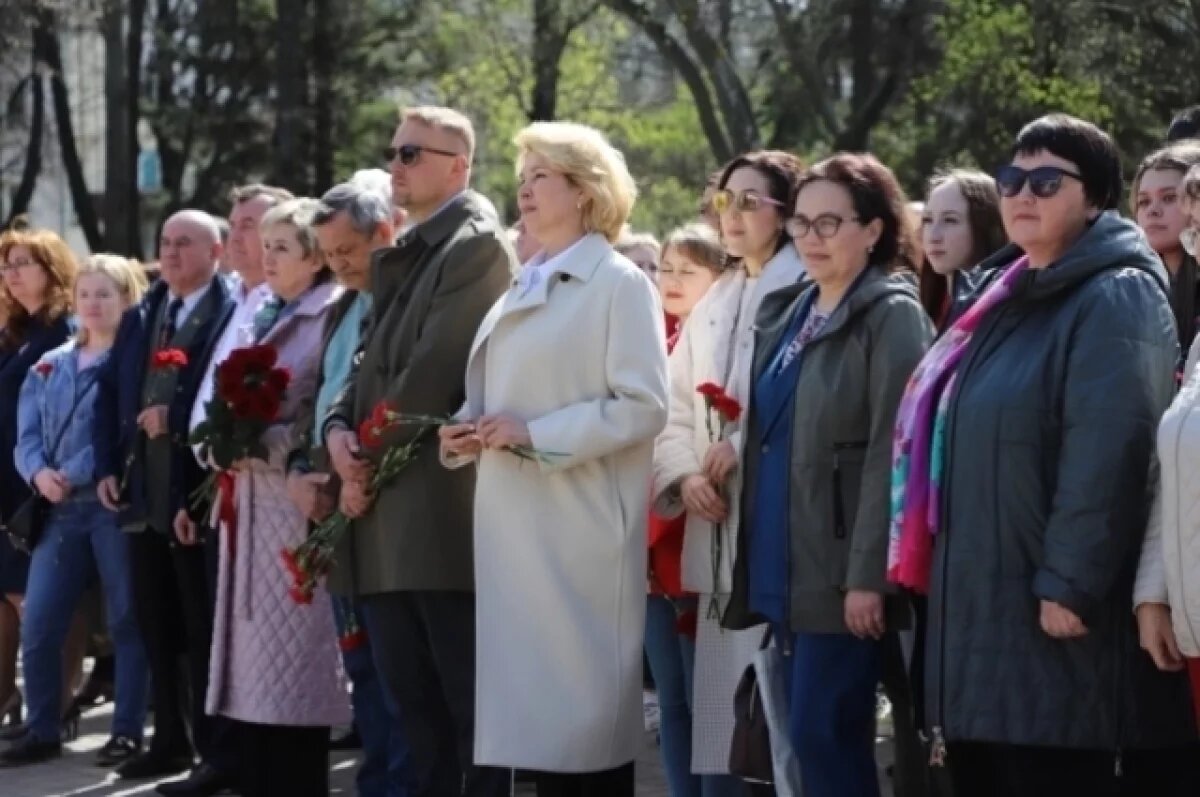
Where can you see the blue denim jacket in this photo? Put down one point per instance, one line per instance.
(46, 401)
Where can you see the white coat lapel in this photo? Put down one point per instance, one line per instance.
(721, 325)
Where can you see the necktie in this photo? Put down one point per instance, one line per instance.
(266, 317)
(168, 327)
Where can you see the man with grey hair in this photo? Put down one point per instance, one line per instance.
(409, 554)
(354, 220)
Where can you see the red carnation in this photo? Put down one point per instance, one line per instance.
(710, 390)
(278, 379)
(301, 595)
(352, 640)
(43, 368)
(728, 408)
(168, 359)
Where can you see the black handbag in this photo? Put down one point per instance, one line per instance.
(28, 522)
(750, 749)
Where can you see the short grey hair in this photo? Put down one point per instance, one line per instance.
(297, 213)
(364, 206)
(374, 179)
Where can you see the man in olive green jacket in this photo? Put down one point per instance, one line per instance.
(409, 556)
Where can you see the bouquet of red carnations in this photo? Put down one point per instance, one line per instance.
(247, 395)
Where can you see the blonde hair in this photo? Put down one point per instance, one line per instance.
(584, 156)
(699, 243)
(297, 214)
(126, 273)
(447, 120)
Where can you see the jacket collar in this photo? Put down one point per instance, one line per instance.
(585, 257)
(311, 304)
(447, 219)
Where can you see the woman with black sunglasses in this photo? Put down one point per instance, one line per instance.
(697, 458)
(1021, 492)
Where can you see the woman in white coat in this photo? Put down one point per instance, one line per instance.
(571, 362)
(1167, 592)
(696, 469)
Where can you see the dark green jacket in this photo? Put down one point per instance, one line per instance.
(1049, 439)
(430, 293)
(849, 386)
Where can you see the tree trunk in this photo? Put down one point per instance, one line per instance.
(325, 33)
(46, 48)
(548, 45)
(290, 165)
(33, 150)
(120, 141)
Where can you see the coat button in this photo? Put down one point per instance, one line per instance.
(564, 278)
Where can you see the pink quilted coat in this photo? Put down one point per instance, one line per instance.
(274, 662)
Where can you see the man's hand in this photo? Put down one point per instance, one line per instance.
(502, 431)
(355, 499)
(52, 485)
(307, 493)
(864, 614)
(185, 528)
(459, 441)
(345, 453)
(1158, 637)
(1060, 622)
(153, 421)
(109, 493)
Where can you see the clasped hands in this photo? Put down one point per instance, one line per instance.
(468, 440)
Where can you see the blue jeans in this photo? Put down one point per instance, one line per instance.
(384, 770)
(831, 686)
(672, 663)
(80, 535)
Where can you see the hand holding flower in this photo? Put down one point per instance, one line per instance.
(460, 441)
(355, 500)
(720, 461)
(504, 432)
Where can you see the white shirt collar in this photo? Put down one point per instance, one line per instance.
(189, 302)
(539, 266)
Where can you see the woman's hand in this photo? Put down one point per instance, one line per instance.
(701, 498)
(109, 493)
(1060, 622)
(1158, 637)
(720, 461)
(864, 614)
(307, 493)
(355, 499)
(52, 485)
(460, 441)
(502, 431)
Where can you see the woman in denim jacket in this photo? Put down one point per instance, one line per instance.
(54, 455)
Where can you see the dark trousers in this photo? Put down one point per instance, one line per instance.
(910, 772)
(997, 770)
(424, 645)
(282, 759)
(170, 589)
(617, 782)
(831, 687)
(221, 750)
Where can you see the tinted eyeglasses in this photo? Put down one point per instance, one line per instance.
(411, 153)
(1044, 181)
(742, 201)
(825, 226)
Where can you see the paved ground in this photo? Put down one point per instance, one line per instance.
(74, 775)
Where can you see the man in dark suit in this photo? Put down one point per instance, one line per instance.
(144, 469)
(409, 557)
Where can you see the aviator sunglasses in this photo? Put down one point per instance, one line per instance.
(1044, 181)
(742, 201)
(410, 153)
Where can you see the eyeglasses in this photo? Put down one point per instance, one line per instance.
(1044, 181)
(743, 201)
(411, 153)
(7, 267)
(825, 226)
(1189, 239)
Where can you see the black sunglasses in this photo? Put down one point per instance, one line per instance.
(410, 153)
(1044, 181)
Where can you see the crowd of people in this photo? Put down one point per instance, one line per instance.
(947, 451)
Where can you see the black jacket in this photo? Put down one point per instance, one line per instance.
(1048, 442)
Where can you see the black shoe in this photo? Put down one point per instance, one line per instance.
(29, 751)
(347, 741)
(154, 764)
(204, 781)
(118, 750)
(15, 733)
(69, 727)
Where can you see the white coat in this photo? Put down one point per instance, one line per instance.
(560, 545)
(716, 345)
(1169, 571)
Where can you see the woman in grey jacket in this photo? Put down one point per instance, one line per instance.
(831, 360)
(1022, 483)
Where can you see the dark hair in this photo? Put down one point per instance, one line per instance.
(1180, 157)
(782, 170)
(983, 217)
(876, 194)
(1083, 144)
(1185, 124)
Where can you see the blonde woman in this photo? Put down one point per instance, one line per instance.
(697, 461)
(54, 455)
(570, 362)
